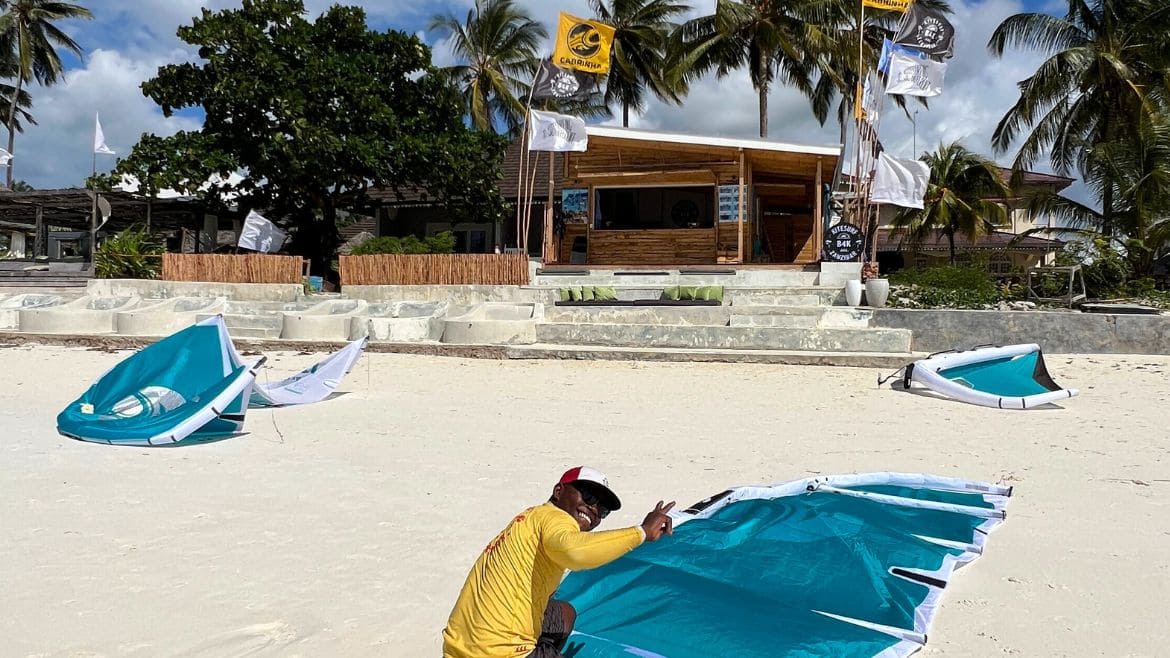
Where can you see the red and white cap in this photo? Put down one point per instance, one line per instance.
(596, 481)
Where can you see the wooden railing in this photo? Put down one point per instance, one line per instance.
(232, 268)
(435, 269)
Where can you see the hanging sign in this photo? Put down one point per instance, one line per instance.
(843, 243)
(729, 203)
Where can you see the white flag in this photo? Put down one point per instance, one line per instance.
(549, 131)
(5, 157)
(259, 234)
(899, 182)
(99, 138)
(910, 76)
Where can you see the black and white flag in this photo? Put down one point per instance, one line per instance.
(926, 30)
(553, 81)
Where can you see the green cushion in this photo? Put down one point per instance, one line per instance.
(563, 294)
(605, 294)
(672, 293)
(587, 293)
(712, 293)
(688, 292)
(575, 294)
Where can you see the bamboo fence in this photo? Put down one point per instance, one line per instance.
(232, 268)
(435, 269)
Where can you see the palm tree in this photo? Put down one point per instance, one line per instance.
(642, 29)
(961, 197)
(772, 39)
(27, 31)
(1104, 56)
(500, 44)
(7, 91)
(838, 58)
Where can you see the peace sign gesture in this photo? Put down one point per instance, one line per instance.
(658, 521)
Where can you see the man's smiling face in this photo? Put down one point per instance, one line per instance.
(569, 498)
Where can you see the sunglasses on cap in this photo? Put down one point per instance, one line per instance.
(591, 499)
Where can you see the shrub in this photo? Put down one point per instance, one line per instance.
(441, 243)
(945, 287)
(1105, 268)
(131, 254)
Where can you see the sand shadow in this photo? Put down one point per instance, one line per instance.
(927, 393)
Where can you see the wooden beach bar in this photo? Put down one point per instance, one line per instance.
(638, 198)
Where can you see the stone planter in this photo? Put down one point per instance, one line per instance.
(853, 292)
(877, 291)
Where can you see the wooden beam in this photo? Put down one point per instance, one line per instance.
(819, 214)
(742, 173)
(629, 174)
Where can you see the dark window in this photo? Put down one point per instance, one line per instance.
(655, 207)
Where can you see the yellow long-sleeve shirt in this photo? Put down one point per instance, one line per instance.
(499, 611)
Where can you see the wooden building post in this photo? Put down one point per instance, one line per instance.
(739, 258)
(819, 211)
(546, 250)
(40, 240)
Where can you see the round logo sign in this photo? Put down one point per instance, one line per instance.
(843, 243)
(584, 41)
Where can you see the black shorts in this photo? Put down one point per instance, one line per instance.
(553, 632)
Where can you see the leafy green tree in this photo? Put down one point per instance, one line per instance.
(961, 197)
(640, 53)
(500, 45)
(28, 32)
(1107, 64)
(312, 114)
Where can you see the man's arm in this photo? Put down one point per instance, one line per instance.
(575, 550)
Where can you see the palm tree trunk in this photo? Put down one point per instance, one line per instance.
(951, 240)
(1107, 209)
(625, 115)
(763, 109)
(11, 123)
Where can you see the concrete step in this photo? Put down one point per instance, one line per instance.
(236, 321)
(794, 296)
(792, 320)
(801, 316)
(254, 332)
(745, 338)
(775, 278)
(684, 315)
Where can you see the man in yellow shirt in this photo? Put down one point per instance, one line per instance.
(505, 609)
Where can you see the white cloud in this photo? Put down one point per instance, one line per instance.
(58, 151)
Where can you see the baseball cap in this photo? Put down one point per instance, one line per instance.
(596, 481)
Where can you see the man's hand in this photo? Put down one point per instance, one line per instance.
(658, 522)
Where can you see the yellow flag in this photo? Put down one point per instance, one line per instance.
(582, 44)
(894, 5)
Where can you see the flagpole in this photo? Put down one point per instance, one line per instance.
(524, 160)
(93, 216)
(859, 187)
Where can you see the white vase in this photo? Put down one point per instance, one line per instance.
(877, 291)
(853, 292)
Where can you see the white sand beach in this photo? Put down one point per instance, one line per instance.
(346, 528)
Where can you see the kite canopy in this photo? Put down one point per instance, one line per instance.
(312, 384)
(1011, 377)
(186, 386)
(192, 385)
(846, 566)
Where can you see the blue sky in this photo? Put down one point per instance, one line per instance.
(129, 39)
